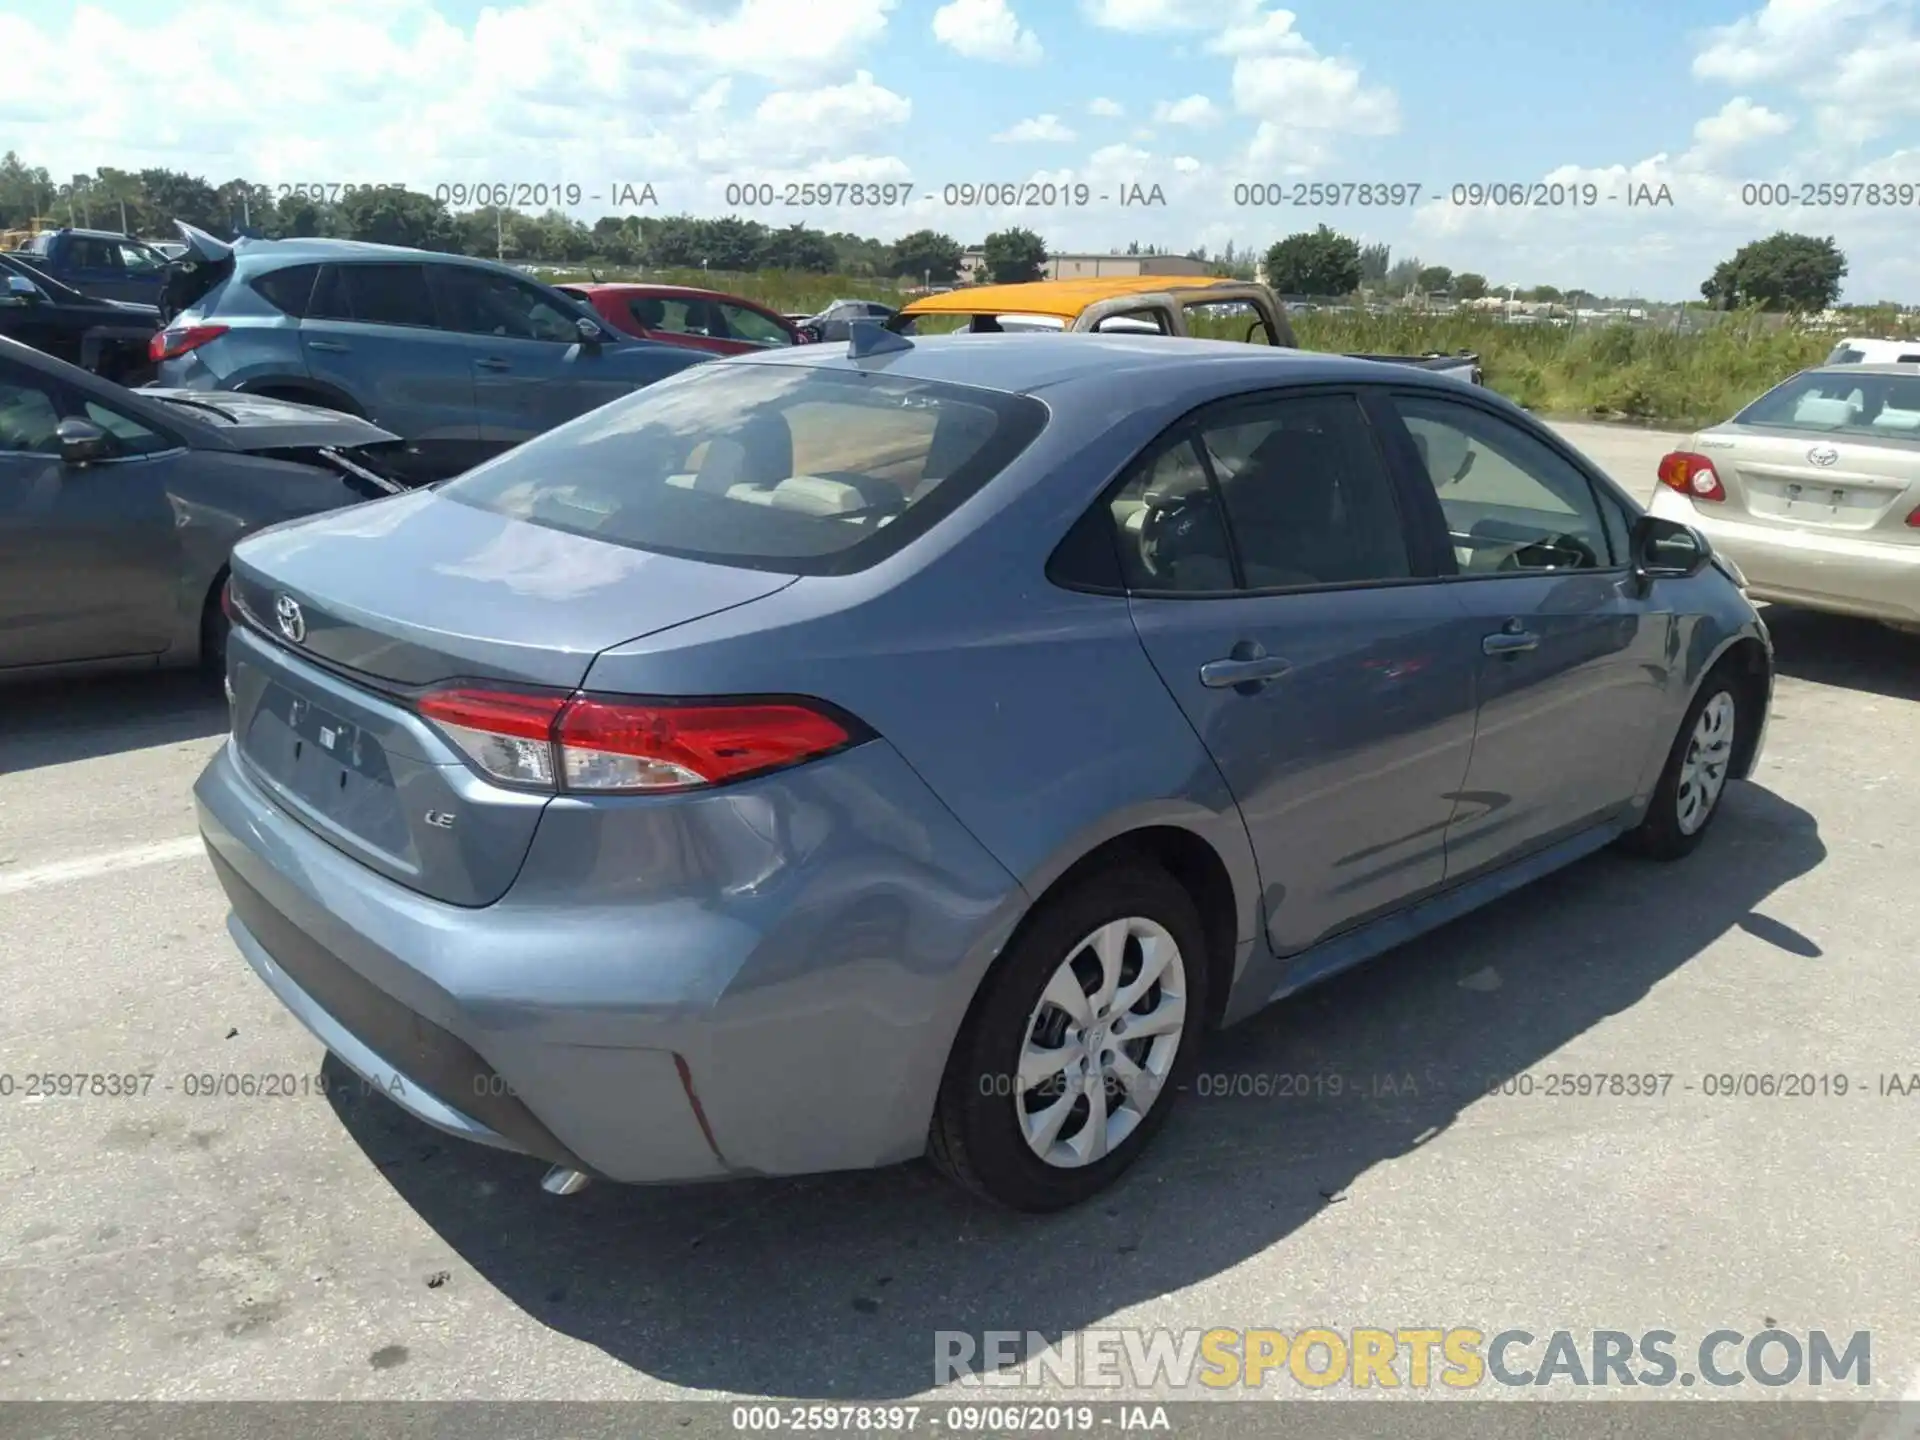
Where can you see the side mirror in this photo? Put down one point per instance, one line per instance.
(82, 442)
(591, 335)
(1666, 548)
(22, 290)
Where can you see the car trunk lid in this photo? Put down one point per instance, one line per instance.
(1841, 484)
(337, 644)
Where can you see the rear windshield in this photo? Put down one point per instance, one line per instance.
(1830, 403)
(772, 467)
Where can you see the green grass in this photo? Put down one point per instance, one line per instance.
(1603, 371)
(1615, 371)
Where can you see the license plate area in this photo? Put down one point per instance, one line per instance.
(1813, 501)
(331, 766)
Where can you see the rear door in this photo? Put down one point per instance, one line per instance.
(1301, 623)
(89, 559)
(372, 331)
(1571, 658)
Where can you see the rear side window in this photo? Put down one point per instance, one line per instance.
(771, 467)
(377, 294)
(288, 290)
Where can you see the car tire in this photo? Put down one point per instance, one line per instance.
(1692, 786)
(214, 630)
(1114, 923)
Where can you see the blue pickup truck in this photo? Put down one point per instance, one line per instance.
(101, 263)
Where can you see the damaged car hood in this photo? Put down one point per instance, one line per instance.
(238, 421)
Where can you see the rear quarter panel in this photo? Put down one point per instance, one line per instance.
(261, 344)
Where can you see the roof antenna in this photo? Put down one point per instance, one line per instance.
(866, 337)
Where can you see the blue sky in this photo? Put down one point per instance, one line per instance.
(1704, 97)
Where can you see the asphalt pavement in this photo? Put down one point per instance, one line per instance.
(321, 1245)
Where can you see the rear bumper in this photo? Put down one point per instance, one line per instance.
(1841, 574)
(801, 1029)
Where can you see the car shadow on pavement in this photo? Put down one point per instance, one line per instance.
(832, 1287)
(59, 722)
(1851, 654)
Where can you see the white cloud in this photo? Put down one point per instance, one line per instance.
(1272, 33)
(392, 91)
(1296, 92)
(1780, 39)
(985, 30)
(1106, 109)
(1842, 74)
(1736, 124)
(1040, 127)
(1196, 110)
(1147, 16)
(831, 120)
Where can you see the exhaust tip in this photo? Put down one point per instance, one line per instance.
(562, 1181)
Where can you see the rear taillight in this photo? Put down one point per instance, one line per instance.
(227, 607)
(172, 344)
(509, 736)
(1692, 475)
(1913, 520)
(602, 745)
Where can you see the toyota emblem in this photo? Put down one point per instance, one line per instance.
(287, 614)
(1823, 455)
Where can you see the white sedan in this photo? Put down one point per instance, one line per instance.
(1813, 491)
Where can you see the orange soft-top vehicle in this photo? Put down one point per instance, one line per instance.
(710, 320)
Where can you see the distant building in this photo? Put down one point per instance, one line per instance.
(973, 266)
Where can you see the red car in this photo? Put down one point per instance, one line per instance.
(709, 320)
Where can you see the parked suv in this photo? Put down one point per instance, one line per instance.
(462, 358)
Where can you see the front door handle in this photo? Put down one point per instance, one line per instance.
(1509, 642)
(329, 345)
(1247, 669)
(494, 363)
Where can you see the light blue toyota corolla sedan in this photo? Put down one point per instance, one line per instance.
(826, 758)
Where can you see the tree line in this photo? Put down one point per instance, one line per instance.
(1782, 272)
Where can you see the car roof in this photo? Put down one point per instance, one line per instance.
(1065, 299)
(641, 287)
(1033, 362)
(1878, 367)
(317, 249)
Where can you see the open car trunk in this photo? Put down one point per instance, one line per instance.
(208, 261)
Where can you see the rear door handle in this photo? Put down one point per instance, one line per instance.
(494, 363)
(1250, 671)
(1509, 642)
(332, 345)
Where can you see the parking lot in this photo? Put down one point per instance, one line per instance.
(322, 1245)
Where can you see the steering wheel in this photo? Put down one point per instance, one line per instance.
(1170, 525)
